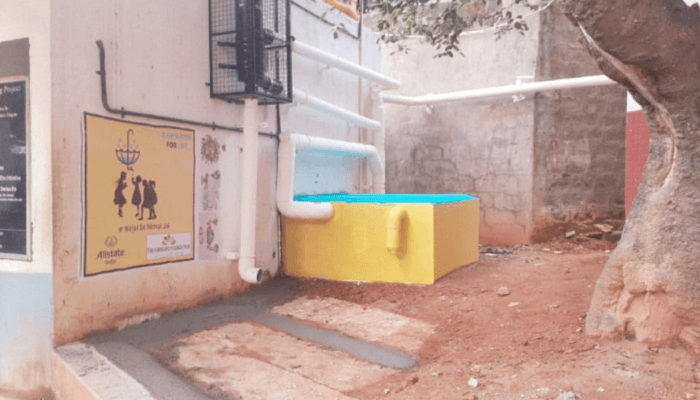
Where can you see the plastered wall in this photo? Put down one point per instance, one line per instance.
(158, 63)
(26, 293)
(534, 161)
(478, 148)
(579, 170)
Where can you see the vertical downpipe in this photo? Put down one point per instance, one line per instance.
(246, 263)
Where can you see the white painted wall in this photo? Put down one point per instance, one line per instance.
(26, 287)
(30, 19)
(158, 63)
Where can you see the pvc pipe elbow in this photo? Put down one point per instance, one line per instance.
(306, 211)
(394, 229)
(248, 271)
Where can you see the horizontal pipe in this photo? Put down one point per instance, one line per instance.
(289, 145)
(304, 99)
(598, 80)
(313, 53)
(121, 111)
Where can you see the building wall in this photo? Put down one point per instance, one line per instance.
(26, 293)
(158, 62)
(579, 140)
(534, 161)
(481, 148)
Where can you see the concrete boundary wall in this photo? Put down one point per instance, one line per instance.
(536, 162)
(479, 148)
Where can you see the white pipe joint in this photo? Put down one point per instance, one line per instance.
(246, 262)
(332, 60)
(304, 99)
(572, 83)
(290, 143)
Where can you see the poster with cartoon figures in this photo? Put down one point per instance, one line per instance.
(139, 188)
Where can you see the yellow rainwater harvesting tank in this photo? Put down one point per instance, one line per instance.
(384, 238)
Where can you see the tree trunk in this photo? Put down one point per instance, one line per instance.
(650, 286)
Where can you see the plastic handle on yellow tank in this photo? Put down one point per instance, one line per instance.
(394, 226)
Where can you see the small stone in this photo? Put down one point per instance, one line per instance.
(570, 234)
(387, 391)
(473, 383)
(435, 374)
(544, 391)
(567, 396)
(513, 304)
(503, 291)
(689, 396)
(553, 306)
(600, 390)
(476, 368)
(579, 330)
(605, 228)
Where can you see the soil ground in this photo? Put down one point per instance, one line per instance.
(528, 344)
(507, 327)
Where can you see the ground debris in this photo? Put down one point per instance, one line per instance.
(567, 396)
(503, 291)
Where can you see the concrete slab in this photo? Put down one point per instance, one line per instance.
(207, 356)
(364, 323)
(238, 349)
(105, 379)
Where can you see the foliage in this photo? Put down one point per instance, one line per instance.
(442, 22)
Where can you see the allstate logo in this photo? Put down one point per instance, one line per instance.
(111, 241)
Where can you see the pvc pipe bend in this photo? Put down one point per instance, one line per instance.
(289, 144)
(394, 228)
(306, 211)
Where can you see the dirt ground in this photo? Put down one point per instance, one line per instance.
(527, 344)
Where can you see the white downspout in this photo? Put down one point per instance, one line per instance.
(586, 81)
(289, 144)
(246, 262)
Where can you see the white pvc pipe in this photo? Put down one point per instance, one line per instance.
(598, 80)
(304, 99)
(289, 144)
(334, 61)
(246, 262)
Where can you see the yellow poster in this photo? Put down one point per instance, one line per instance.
(139, 189)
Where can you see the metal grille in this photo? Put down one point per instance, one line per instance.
(250, 50)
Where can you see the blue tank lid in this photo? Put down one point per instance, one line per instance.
(387, 198)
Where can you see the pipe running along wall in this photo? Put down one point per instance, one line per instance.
(246, 262)
(123, 112)
(572, 83)
(332, 60)
(289, 144)
(304, 99)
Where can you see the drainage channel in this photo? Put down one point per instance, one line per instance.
(128, 349)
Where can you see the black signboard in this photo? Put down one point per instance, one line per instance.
(14, 207)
